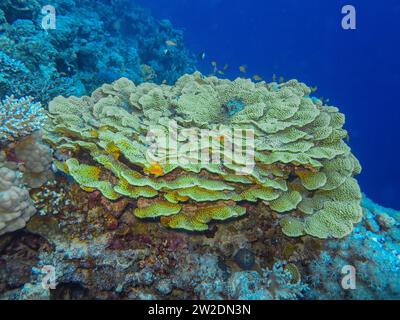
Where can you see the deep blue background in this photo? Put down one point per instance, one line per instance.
(358, 70)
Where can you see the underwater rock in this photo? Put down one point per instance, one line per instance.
(386, 221)
(19, 252)
(272, 284)
(245, 259)
(151, 261)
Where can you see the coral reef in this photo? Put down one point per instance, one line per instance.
(13, 75)
(274, 166)
(94, 42)
(302, 169)
(98, 272)
(19, 118)
(373, 250)
(24, 161)
(99, 250)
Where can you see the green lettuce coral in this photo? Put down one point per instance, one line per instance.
(302, 169)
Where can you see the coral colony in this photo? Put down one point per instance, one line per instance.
(131, 176)
(302, 164)
(19, 117)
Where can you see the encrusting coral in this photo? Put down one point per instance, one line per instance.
(302, 170)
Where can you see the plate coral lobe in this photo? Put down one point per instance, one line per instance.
(303, 168)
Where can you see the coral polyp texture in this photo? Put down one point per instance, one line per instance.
(19, 118)
(303, 170)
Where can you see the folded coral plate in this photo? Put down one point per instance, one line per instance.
(303, 170)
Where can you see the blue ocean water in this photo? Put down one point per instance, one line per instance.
(358, 70)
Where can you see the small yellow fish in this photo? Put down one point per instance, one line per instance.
(214, 63)
(221, 72)
(171, 43)
(243, 69)
(314, 89)
(256, 77)
(154, 169)
(226, 67)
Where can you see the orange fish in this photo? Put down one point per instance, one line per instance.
(154, 169)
